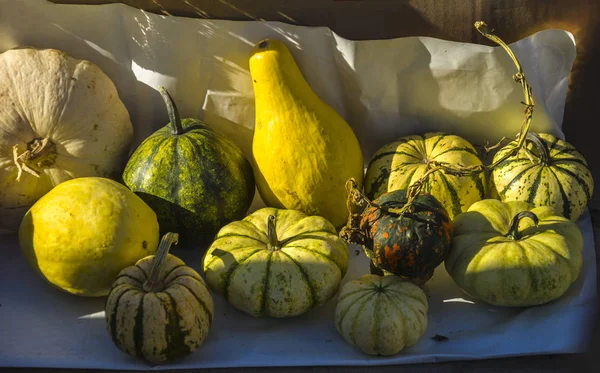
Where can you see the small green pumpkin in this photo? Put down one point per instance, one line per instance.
(194, 178)
(276, 263)
(160, 309)
(514, 254)
(546, 172)
(381, 315)
(401, 163)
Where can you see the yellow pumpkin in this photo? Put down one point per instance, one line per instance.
(84, 231)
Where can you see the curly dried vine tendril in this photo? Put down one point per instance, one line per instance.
(453, 169)
(356, 197)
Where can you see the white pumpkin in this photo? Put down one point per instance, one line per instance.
(60, 118)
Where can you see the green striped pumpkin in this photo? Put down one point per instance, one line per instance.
(381, 315)
(194, 178)
(401, 163)
(160, 309)
(276, 263)
(547, 171)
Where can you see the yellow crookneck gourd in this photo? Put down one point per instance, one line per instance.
(304, 151)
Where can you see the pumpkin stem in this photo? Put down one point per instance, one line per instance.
(544, 152)
(174, 118)
(351, 232)
(519, 78)
(153, 284)
(513, 231)
(40, 153)
(272, 233)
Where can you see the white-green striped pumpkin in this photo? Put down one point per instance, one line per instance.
(160, 309)
(547, 171)
(381, 315)
(276, 262)
(401, 163)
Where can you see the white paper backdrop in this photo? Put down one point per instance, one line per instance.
(384, 88)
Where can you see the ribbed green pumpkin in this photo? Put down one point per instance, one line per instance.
(381, 315)
(514, 254)
(276, 263)
(546, 172)
(195, 179)
(160, 309)
(401, 163)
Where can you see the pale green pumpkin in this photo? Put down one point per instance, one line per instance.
(276, 263)
(499, 255)
(381, 315)
(403, 162)
(547, 171)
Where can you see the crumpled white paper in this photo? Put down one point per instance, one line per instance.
(384, 88)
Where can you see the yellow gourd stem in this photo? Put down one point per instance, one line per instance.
(513, 231)
(172, 110)
(152, 284)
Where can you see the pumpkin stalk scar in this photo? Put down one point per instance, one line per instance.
(40, 153)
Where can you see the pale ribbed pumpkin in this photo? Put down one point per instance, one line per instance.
(381, 315)
(276, 263)
(514, 254)
(60, 118)
(160, 309)
(401, 163)
(546, 172)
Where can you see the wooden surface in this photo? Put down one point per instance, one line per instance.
(450, 20)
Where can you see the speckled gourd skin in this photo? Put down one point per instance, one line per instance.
(565, 182)
(161, 326)
(401, 163)
(84, 231)
(302, 271)
(411, 244)
(502, 271)
(381, 315)
(197, 180)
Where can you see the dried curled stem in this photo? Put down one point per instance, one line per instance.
(39, 153)
(356, 203)
(452, 169)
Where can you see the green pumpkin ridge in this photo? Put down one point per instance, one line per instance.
(306, 277)
(231, 270)
(265, 282)
(566, 207)
(355, 324)
(176, 345)
(580, 181)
